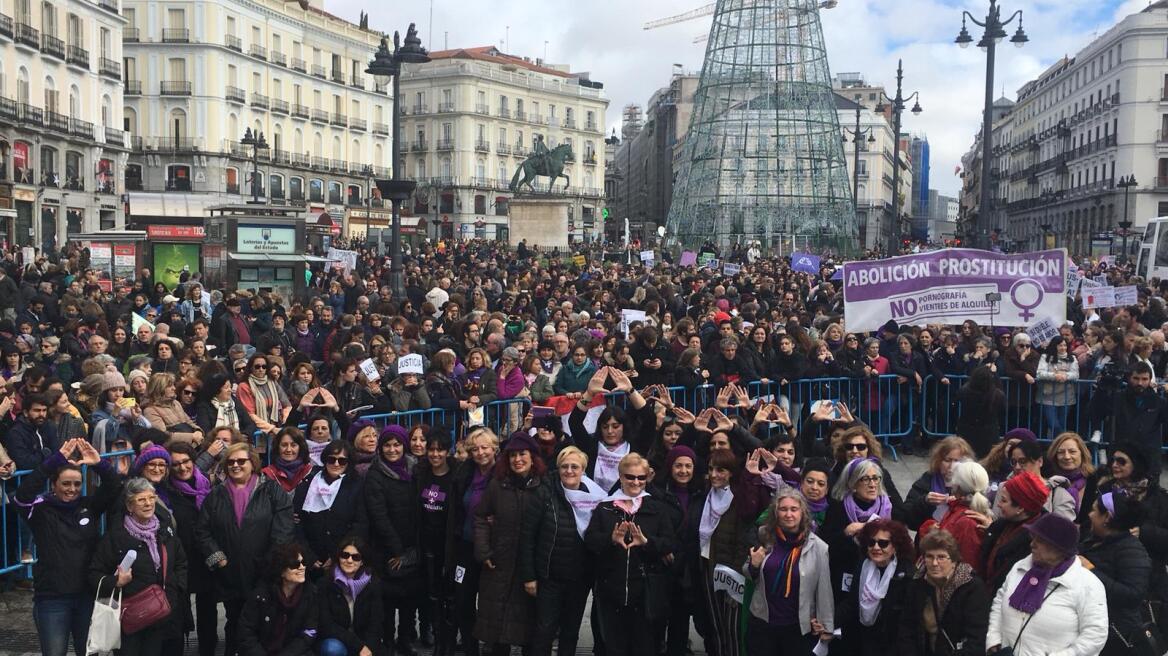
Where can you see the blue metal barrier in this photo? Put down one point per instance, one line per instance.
(506, 416)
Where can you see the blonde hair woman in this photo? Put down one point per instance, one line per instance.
(1071, 459)
(165, 412)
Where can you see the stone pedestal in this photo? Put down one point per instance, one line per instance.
(541, 220)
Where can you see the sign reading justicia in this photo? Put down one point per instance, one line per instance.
(954, 285)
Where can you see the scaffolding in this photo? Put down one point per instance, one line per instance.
(763, 158)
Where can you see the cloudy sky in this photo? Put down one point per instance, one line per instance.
(606, 38)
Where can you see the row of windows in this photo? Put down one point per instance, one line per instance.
(502, 108)
(51, 96)
(179, 178)
(49, 25)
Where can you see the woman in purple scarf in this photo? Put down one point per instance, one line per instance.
(351, 603)
(187, 488)
(858, 495)
(1072, 460)
(291, 464)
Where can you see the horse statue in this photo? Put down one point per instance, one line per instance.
(550, 164)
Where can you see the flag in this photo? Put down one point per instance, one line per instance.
(805, 262)
(957, 171)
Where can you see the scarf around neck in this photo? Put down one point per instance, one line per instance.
(240, 495)
(1031, 590)
(267, 398)
(225, 414)
(1078, 482)
(583, 501)
(630, 505)
(315, 449)
(351, 587)
(147, 533)
(791, 546)
(882, 507)
(198, 491)
(321, 493)
(873, 589)
(718, 501)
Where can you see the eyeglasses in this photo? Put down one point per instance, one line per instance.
(937, 558)
(850, 339)
(188, 391)
(882, 544)
(1120, 460)
(240, 369)
(1020, 462)
(155, 465)
(336, 460)
(259, 365)
(636, 477)
(299, 564)
(237, 462)
(870, 480)
(180, 463)
(353, 556)
(859, 446)
(143, 501)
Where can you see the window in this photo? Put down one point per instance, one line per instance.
(480, 204)
(276, 185)
(446, 203)
(445, 168)
(316, 191)
(233, 181)
(420, 170)
(334, 195)
(178, 177)
(353, 195)
(296, 188)
(503, 177)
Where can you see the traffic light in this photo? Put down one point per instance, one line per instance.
(604, 214)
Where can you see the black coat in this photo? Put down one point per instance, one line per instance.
(66, 538)
(267, 521)
(260, 612)
(621, 573)
(964, 621)
(880, 638)
(361, 627)
(393, 513)
(28, 445)
(205, 417)
(550, 546)
(319, 533)
(506, 612)
(1005, 543)
(916, 508)
(186, 519)
(112, 549)
(645, 375)
(1122, 565)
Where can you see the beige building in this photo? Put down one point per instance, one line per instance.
(200, 73)
(60, 119)
(472, 115)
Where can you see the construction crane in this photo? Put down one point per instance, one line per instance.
(702, 12)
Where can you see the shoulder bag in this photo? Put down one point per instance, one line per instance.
(105, 628)
(147, 606)
(1009, 651)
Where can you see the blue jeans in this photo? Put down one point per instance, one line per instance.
(57, 618)
(332, 647)
(1055, 416)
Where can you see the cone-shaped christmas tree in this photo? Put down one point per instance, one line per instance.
(763, 158)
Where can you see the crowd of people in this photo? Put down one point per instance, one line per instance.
(466, 466)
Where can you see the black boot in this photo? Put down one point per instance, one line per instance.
(403, 648)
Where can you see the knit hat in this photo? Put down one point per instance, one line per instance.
(999, 332)
(520, 441)
(1024, 434)
(112, 380)
(356, 427)
(153, 453)
(1060, 533)
(92, 385)
(679, 451)
(890, 326)
(1028, 492)
(399, 433)
(135, 375)
(720, 316)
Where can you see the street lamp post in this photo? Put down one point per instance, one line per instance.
(898, 104)
(257, 142)
(857, 135)
(995, 31)
(1046, 228)
(386, 65)
(1126, 184)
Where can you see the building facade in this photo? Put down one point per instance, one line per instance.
(870, 170)
(198, 74)
(61, 139)
(920, 209)
(471, 116)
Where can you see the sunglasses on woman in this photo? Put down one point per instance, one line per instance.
(883, 544)
(351, 555)
(336, 460)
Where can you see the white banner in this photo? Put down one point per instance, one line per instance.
(1127, 295)
(1099, 297)
(730, 582)
(1042, 332)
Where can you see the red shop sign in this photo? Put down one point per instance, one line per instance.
(175, 232)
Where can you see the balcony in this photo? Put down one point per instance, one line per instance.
(169, 88)
(28, 35)
(110, 6)
(176, 35)
(420, 109)
(591, 126)
(380, 128)
(258, 51)
(235, 95)
(590, 158)
(320, 163)
(73, 184)
(520, 150)
(233, 42)
(53, 47)
(503, 148)
(536, 119)
(446, 108)
(337, 76)
(279, 106)
(78, 56)
(318, 71)
(570, 123)
(259, 100)
(278, 58)
(113, 68)
(300, 111)
(520, 115)
(81, 128)
(444, 144)
(178, 184)
(133, 88)
(358, 124)
(482, 146)
(282, 157)
(357, 81)
(299, 65)
(6, 25)
(483, 109)
(176, 145)
(420, 146)
(320, 116)
(338, 166)
(116, 137)
(339, 119)
(7, 109)
(300, 160)
(56, 121)
(137, 144)
(503, 112)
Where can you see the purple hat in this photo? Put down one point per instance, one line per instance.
(999, 332)
(520, 441)
(1062, 534)
(356, 427)
(153, 453)
(398, 433)
(1024, 434)
(679, 451)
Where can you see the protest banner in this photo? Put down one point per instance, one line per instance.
(579, 260)
(1127, 295)
(688, 258)
(731, 269)
(954, 285)
(1043, 331)
(1098, 297)
(805, 262)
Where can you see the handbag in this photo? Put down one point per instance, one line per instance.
(105, 625)
(183, 427)
(147, 606)
(407, 568)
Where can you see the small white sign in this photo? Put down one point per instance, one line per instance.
(410, 364)
(1043, 331)
(729, 581)
(731, 269)
(628, 317)
(1099, 297)
(369, 370)
(1127, 295)
(647, 256)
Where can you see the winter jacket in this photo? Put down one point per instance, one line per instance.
(167, 415)
(289, 483)
(112, 549)
(258, 622)
(967, 532)
(186, 518)
(736, 530)
(916, 509)
(550, 547)
(960, 628)
(206, 416)
(319, 533)
(30, 445)
(404, 399)
(621, 573)
(723, 371)
(482, 386)
(511, 386)
(640, 352)
(1019, 393)
(880, 638)
(1121, 564)
(66, 538)
(267, 521)
(1052, 392)
(815, 598)
(574, 379)
(1005, 544)
(506, 611)
(359, 625)
(1071, 622)
(392, 511)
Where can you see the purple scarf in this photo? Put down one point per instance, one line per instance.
(682, 494)
(290, 469)
(938, 484)
(882, 507)
(351, 587)
(147, 533)
(399, 468)
(1031, 590)
(200, 490)
(1078, 482)
(240, 495)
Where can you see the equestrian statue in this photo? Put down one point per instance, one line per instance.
(544, 162)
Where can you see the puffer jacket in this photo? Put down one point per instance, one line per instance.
(640, 352)
(1072, 620)
(550, 547)
(319, 533)
(112, 549)
(961, 626)
(267, 521)
(261, 612)
(393, 513)
(1052, 392)
(359, 625)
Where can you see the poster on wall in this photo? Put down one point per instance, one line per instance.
(125, 261)
(170, 260)
(101, 259)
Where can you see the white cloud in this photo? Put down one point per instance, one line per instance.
(867, 36)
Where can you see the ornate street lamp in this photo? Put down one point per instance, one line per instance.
(257, 142)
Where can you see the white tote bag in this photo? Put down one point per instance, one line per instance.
(105, 623)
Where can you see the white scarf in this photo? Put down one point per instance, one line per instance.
(225, 414)
(634, 502)
(315, 449)
(717, 503)
(321, 494)
(583, 501)
(607, 470)
(873, 589)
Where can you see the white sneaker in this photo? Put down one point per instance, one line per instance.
(1097, 437)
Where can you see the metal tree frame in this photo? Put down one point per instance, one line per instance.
(762, 158)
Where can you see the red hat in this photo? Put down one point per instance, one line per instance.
(719, 317)
(1028, 491)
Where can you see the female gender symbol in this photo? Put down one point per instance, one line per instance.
(1026, 294)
